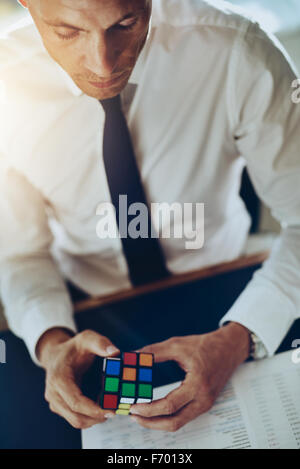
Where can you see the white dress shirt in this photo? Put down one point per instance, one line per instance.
(210, 93)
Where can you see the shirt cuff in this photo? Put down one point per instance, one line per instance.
(42, 317)
(265, 311)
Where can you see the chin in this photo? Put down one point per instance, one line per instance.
(104, 93)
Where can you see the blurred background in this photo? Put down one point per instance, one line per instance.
(10, 11)
(281, 17)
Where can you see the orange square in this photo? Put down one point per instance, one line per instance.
(146, 359)
(129, 374)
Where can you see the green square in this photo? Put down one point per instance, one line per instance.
(128, 389)
(112, 384)
(145, 390)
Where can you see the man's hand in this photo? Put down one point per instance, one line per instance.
(65, 360)
(208, 360)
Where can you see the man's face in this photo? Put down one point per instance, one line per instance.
(97, 42)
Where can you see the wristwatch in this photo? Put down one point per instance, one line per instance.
(257, 348)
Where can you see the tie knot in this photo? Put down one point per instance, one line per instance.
(111, 104)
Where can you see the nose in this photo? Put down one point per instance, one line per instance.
(101, 57)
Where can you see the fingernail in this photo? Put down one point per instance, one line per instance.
(111, 350)
(109, 416)
(134, 411)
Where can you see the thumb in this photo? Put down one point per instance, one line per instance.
(163, 351)
(97, 344)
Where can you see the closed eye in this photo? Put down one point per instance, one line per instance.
(70, 35)
(126, 26)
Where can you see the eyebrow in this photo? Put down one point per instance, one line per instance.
(61, 24)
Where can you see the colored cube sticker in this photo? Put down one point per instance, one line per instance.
(128, 389)
(127, 400)
(145, 374)
(129, 374)
(125, 381)
(122, 411)
(130, 359)
(110, 401)
(145, 390)
(124, 406)
(113, 367)
(111, 384)
(146, 359)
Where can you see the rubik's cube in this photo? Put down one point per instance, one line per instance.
(126, 381)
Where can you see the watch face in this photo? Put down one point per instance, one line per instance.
(258, 349)
(261, 351)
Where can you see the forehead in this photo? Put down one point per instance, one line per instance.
(93, 4)
(87, 12)
(87, 5)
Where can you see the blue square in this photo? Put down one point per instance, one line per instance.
(113, 367)
(145, 375)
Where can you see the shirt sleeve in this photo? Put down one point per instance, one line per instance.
(32, 289)
(266, 124)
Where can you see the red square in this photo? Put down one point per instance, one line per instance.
(129, 358)
(110, 401)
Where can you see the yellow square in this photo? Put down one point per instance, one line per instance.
(124, 406)
(122, 412)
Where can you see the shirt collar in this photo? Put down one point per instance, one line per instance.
(134, 77)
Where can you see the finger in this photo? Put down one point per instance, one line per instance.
(170, 424)
(163, 351)
(96, 344)
(77, 402)
(79, 421)
(169, 405)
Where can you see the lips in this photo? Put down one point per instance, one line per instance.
(106, 84)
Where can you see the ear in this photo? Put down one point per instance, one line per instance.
(23, 3)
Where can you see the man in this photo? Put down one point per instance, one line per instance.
(200, 86)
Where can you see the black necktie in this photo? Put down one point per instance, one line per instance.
(144, 256)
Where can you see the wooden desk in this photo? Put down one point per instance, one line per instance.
(211, 271)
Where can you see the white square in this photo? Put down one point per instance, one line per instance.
(104, 364)
(127, 400)
(143, 401)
